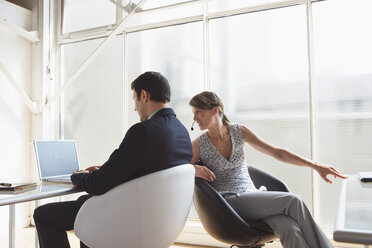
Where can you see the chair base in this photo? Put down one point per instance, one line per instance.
(256, 246)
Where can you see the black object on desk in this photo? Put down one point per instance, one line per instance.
(365, 177)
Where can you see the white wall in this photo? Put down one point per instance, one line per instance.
(15, 54)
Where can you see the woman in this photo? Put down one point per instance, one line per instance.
(220, 149)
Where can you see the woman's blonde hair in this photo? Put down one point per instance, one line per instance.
(209, 100)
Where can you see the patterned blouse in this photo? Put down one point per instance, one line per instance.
(231, 175)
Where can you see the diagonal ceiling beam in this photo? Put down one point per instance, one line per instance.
(30, 104)
(127, 8)
(25, 34)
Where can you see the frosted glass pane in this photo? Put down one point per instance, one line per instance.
(344, 78)
(259, 68)
(177, 53)
(92, 112)
(343, 40)
(165, 14)
(160, 3)
(222, 5)
(85, 14)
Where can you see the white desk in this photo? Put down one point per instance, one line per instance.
(354, 217)
(42, 191)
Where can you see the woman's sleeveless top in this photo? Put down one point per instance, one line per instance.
(231, 175)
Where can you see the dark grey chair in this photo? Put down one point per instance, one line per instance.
(221, 221)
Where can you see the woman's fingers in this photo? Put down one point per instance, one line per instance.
(333, 171)
(208, 174)
(330, 170)
(204, 172)
(338, 174)
(327, 180)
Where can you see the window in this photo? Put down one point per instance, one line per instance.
(259, 68)
(222, 5)
(92, 112)
(176, 52)
(85, 14)
(152, 13)
(344, 81)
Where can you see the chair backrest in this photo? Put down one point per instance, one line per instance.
(149, 211)
(262, 178)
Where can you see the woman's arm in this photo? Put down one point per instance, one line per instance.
(288, 156)
(195, 152)
(200, 171)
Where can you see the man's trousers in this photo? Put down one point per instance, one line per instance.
(54, 219)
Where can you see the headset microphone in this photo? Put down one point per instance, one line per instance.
(192, 126)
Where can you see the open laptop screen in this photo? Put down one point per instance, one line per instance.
(56, 157)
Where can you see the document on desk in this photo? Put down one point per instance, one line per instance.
(16, 185)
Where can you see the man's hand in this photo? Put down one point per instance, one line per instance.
(89, 169)
(204, 172)
(80, 172)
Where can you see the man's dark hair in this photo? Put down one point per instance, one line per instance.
(155, 84)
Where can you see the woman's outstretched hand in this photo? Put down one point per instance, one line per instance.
(204, 172)
(325, 170)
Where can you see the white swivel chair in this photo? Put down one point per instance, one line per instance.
(147, 212)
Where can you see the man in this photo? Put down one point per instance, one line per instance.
(156, 143)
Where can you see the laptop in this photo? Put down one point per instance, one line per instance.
(56, 160)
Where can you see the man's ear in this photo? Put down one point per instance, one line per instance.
(145, 96)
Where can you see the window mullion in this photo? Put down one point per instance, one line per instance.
(312, 102)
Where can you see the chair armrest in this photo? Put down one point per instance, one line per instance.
(262, 178)
(214, 196)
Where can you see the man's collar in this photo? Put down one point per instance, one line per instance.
(153, 113)
(162, 111)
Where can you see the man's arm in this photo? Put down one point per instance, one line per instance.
(122, 165)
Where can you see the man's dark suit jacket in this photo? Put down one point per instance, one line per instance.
(149, 146)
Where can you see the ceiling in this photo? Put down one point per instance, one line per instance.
(27, 4)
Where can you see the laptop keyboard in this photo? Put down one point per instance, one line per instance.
(64, 177)
(59, 179)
